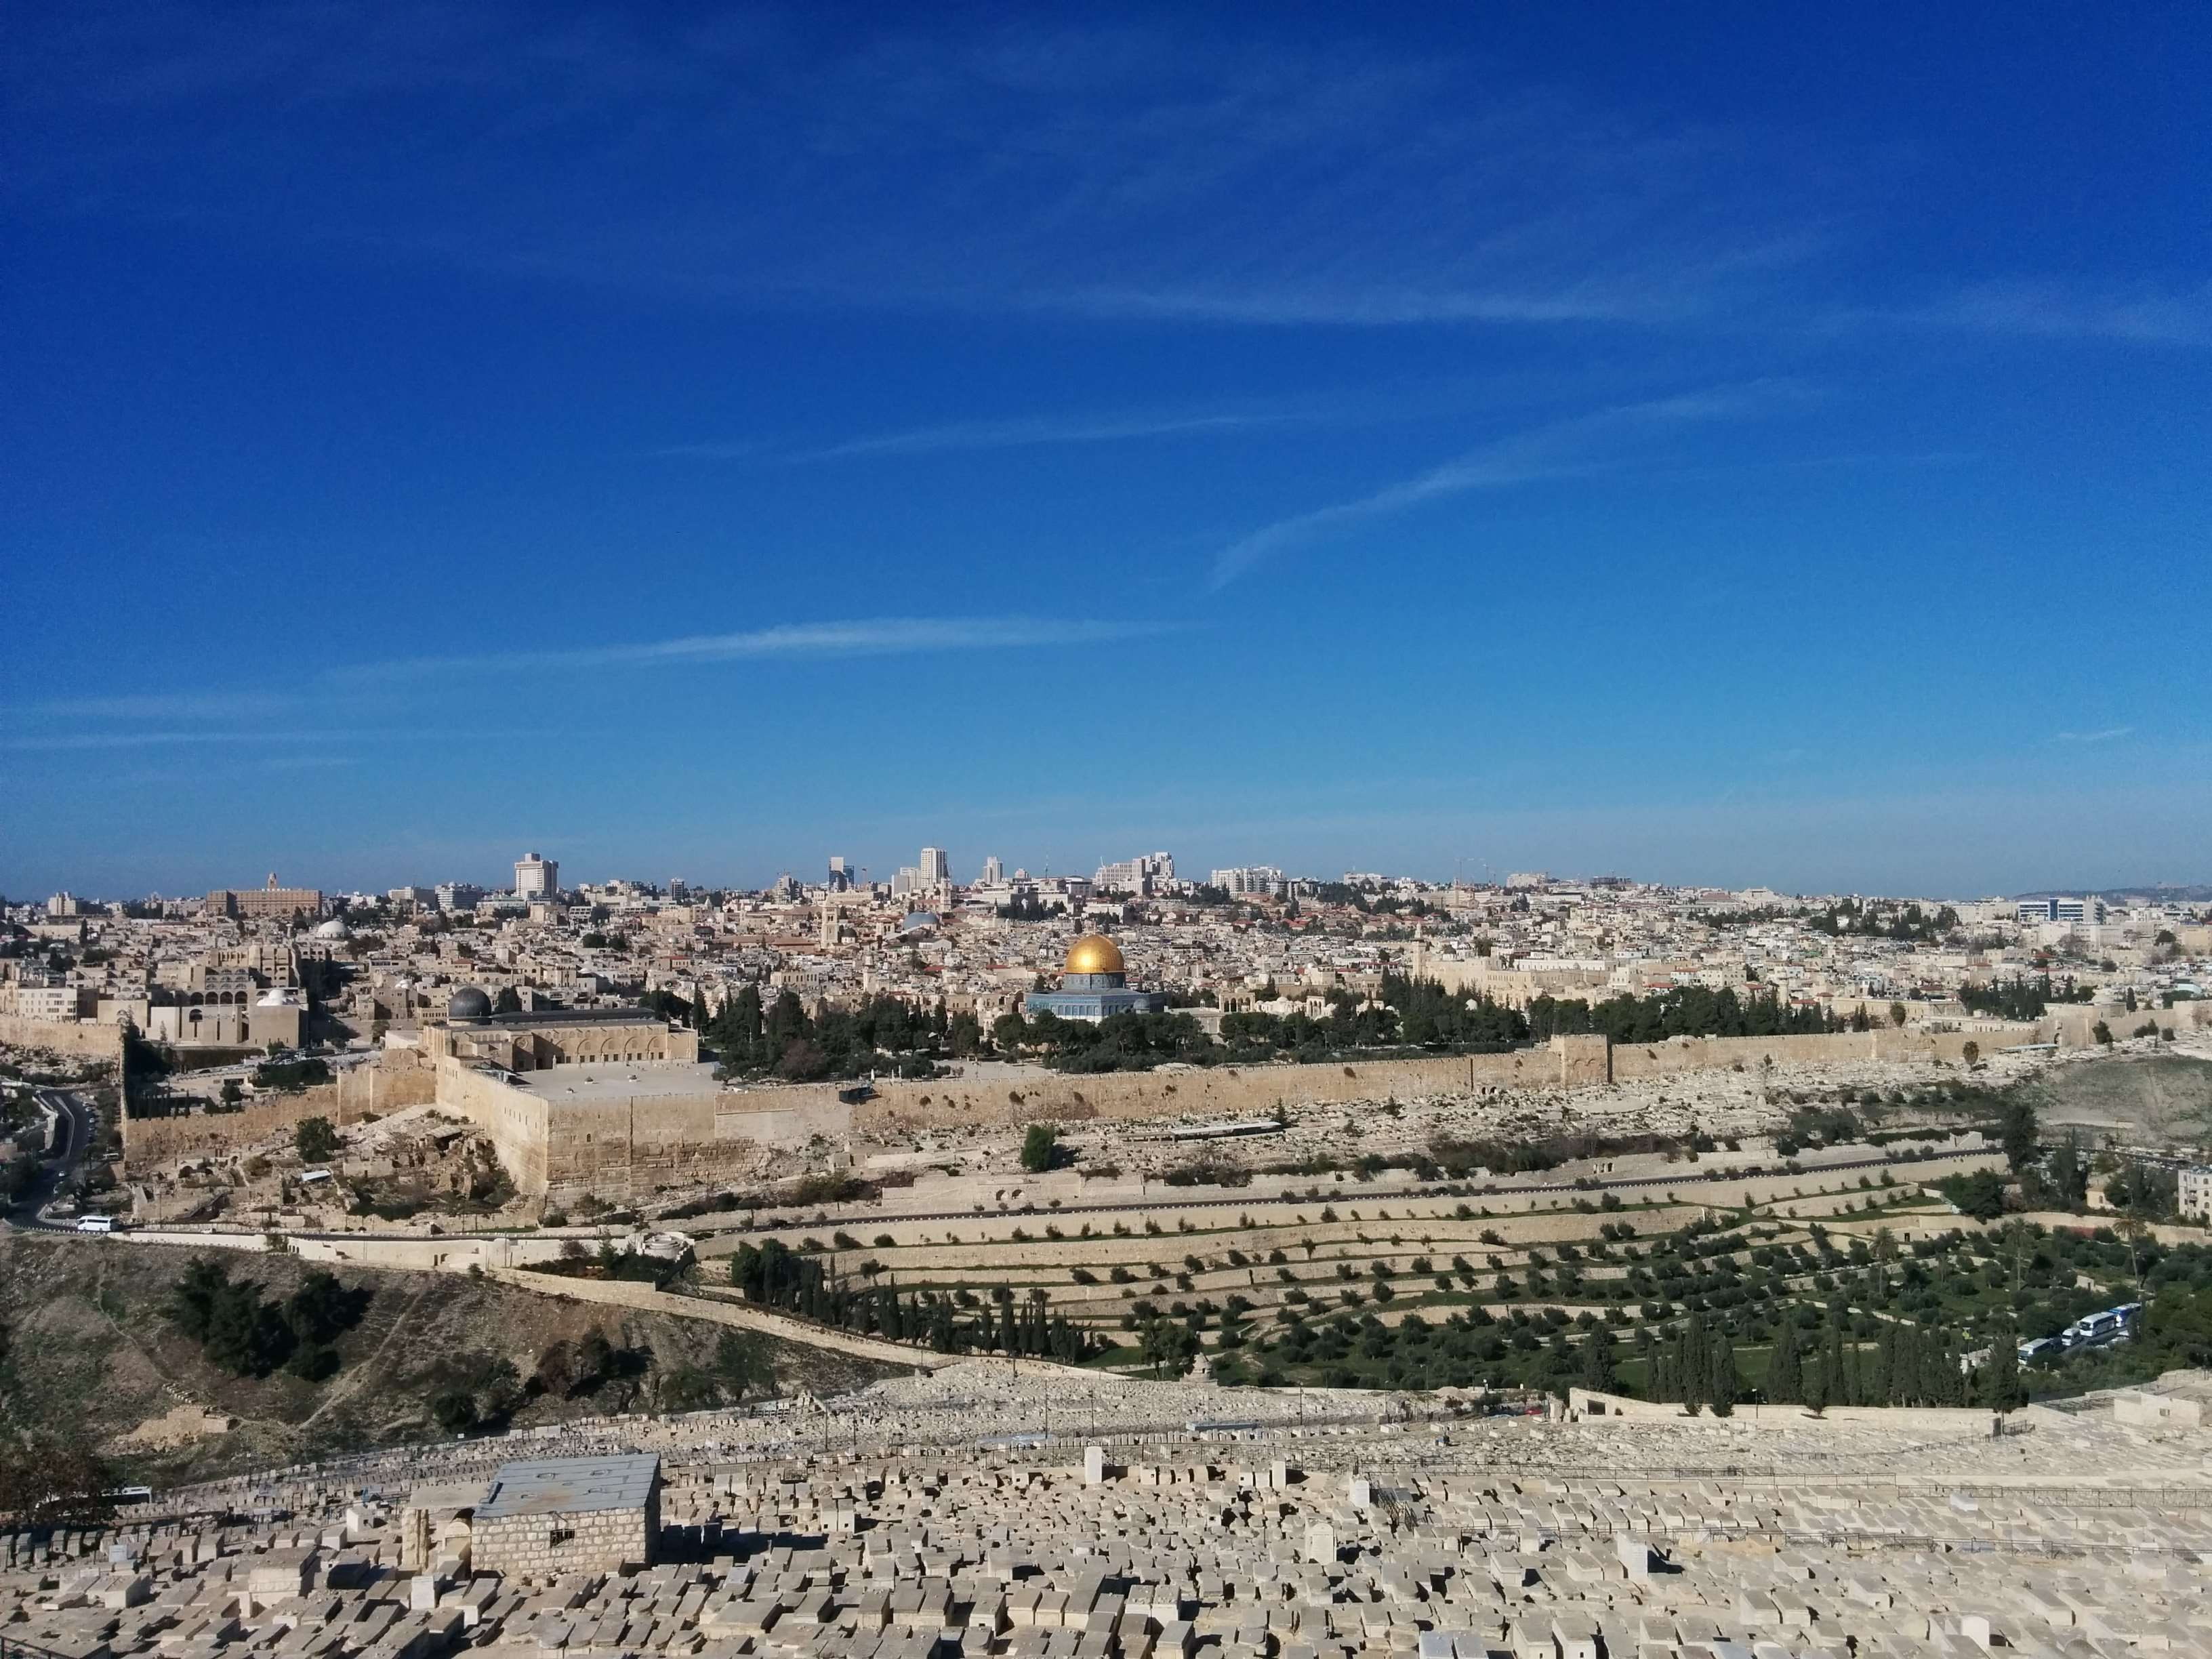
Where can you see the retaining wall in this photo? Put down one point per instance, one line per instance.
(1919, 1419)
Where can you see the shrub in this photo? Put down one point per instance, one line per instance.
(1040, 1148)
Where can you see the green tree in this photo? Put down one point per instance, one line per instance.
(741, 1362)
(1980, 1194)
(2001, 1387)
(320, 1309)
(1785, 1361)
(455, 1410)
(1598, 1369)
(316, 1140)
(508, 1001)
(1040, 1148)
(2020, 1134)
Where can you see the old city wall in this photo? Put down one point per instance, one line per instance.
(787, 1128)
(628, 1145)
(1225, 1091)
(1254, 1091)
(350, 1097)
(83, 1039)
(515, 1120)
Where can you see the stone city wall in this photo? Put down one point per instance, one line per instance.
(1237, 1091)
(84, 1039)
(787, 1128)
(514, 1119)
(380, 1089)
(614, 1146)
(1244, 1091)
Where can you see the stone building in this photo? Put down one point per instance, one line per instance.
(562, 1515)
(614, 1103)
(552, 1036)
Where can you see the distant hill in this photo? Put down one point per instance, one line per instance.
(91, 1351)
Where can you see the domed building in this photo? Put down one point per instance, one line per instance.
(469, 1005)
(1093, 984)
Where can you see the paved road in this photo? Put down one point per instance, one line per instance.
(79, 1125)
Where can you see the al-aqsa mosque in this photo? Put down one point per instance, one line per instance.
(1094, 984)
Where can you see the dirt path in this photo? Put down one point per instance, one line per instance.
(623, 1293)
(348, 1385)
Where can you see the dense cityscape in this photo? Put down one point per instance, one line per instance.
(1126, 832)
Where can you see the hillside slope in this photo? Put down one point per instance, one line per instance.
(94, 1354)
(2144, 1097)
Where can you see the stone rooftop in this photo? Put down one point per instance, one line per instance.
(569, 1485)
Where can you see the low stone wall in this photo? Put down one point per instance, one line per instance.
(1914, 1419)
(86, 1039)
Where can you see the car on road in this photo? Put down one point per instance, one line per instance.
(95, 1224)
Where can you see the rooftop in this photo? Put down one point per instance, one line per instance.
(620, 1080)
(570, 1485)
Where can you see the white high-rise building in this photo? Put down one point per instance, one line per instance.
(1251, 878)
(936, 866)
(536, 877)
(994, 871)
(1143, 875)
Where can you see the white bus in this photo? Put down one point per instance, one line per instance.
(95, 1224)
(2096, 1329)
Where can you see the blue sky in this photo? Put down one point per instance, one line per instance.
(1735, 444)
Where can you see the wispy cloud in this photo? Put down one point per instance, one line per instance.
(1018, 163)
(883, 636)
(62, 742)
(1032, 433)
(2052, 310)
(167, 706)
(2108, 735)
(1567, 448)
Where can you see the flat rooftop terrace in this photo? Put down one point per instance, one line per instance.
(619, 1079)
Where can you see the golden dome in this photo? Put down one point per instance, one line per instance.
(1094, 953)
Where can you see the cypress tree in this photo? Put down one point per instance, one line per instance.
(1831, 1364)
(2002, 1388)
(1597, 1361)
(1726, 1385)
(1785, 1363)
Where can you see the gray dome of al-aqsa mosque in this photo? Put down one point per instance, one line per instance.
(469, 1003)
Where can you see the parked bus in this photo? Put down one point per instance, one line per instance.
(2095, 1330)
